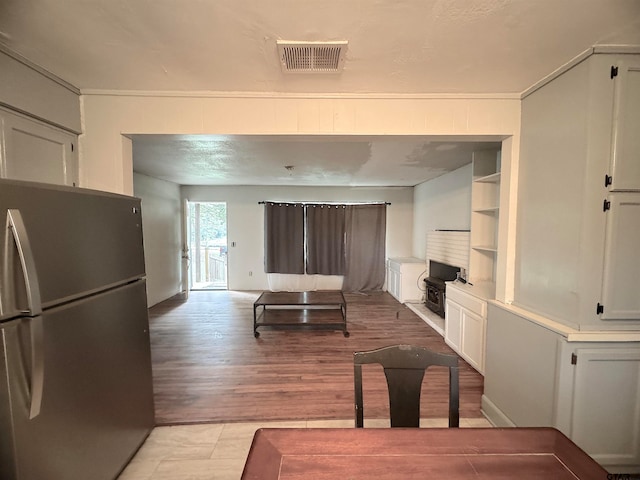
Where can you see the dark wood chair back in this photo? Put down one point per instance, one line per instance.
(404, 366)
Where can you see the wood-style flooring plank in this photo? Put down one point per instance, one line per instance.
(208, 367)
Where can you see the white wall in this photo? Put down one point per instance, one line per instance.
(161, 228)
(245, 218)
(520, 370)
(105, 165)
(105, 151)
(443, 203)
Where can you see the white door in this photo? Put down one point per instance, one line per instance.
(393, 283)
(37, 152)
(606, 405)
(207, 233)
(625, 149)
(453, 325)
(186, 234)
(620, 286)
(473, 339)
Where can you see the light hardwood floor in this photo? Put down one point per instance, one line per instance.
(208, 367)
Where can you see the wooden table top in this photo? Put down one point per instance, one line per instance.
(417, 453)
(319, 297)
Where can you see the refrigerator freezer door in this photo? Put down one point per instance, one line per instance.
(82, 241)
(97, 395)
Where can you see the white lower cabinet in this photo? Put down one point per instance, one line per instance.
(585, 383)
(473, 341)
(393, 282)
(453, 325)
(403, 278)
(599, 402)
(465, 326)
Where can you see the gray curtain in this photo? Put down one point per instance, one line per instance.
(365, 247)
(325, 239)
(283, 238)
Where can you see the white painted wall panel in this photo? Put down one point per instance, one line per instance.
(551, 196)
(107, 117)
(441, 203)
(566, 144)
(449, 247)
(520, 369)
(161, 229)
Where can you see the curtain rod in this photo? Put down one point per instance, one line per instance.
(324, 203)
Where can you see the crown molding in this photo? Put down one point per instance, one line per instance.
(37, 68)
(596, 49)
(557, 72)
(619, 49)
(309, 96)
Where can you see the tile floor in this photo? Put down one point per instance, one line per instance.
(218, 451)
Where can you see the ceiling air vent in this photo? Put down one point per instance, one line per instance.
(312, 57)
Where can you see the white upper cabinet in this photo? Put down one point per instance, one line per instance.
(625, 146)
(37, 152)
(620, 286)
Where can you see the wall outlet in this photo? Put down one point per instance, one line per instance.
(250, 273)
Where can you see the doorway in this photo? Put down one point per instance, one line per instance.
(207, 236)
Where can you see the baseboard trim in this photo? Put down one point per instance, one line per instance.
(494, 414)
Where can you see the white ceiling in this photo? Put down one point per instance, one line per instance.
(301, 160)
(395, 47)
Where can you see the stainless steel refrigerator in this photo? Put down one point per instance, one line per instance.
(76, 396)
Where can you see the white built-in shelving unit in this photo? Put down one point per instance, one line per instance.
(485, 212)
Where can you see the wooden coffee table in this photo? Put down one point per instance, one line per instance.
(323, 309)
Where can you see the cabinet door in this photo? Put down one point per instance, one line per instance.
(453, 325)
(410, 274)
(625, 149)
(393, 282)
(473, 339)
(620, 287)
(606, 405)
(36, 152)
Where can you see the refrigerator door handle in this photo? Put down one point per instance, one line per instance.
(37, 365)
(21, 238)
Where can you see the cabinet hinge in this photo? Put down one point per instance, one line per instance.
(599, 309)
(606, 205)
(614, 71)
(574, 359)
(608, 180)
